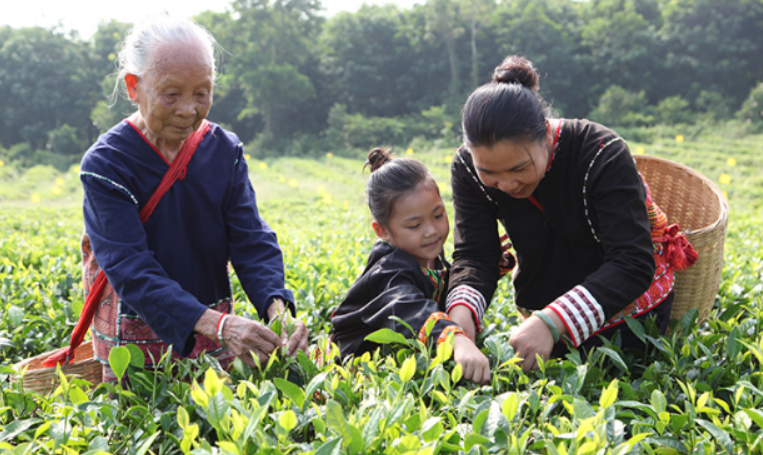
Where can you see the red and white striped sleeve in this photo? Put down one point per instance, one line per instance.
(580, 312)
(471, 298)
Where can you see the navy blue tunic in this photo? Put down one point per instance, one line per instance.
(171, 268)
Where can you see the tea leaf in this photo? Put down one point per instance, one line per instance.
(16, 315)
(385, 336)
(408, 369)
(658, 401)
(119, 358)
(288, 420)
(147, 444)
(720, 435)
(17, 427)
(292, 391)
(331, 447)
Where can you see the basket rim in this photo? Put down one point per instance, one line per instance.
(724, 204)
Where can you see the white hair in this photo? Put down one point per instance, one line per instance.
(135, 55)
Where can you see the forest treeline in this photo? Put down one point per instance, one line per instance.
(293, 81)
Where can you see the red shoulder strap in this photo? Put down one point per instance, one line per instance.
(176, 171)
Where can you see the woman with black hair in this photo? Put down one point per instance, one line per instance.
(592, 248)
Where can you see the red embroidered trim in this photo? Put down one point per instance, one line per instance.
(436, 316)
(454, 329)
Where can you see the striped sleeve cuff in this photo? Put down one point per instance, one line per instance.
(580, 312)
(470, 298)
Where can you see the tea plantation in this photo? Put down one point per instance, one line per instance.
(698, 391)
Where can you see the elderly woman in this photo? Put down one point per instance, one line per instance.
(170, 273)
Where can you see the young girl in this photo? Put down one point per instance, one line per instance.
(406, 275)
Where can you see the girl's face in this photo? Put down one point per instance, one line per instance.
(418, 225)
(514, 167)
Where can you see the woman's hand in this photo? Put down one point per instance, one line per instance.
(475, 366)
(298, 339)
(244, 337)
(533, 337)
(462, 316)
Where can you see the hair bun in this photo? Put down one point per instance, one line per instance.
(517, 70)
(377, 158)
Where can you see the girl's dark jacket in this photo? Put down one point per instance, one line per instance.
(392, 284)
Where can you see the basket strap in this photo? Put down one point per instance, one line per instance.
(176, 171)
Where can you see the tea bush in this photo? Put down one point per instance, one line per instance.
(698, 390)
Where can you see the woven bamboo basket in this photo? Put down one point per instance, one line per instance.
(43, 380)
(700, 209)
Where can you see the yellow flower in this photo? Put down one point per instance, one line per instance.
(639, 150)
(56, 190)
(321, 189)
(680, 138)
(60, 181)
(2, 163)
(724, 179)
(248, 157)
(409, 151)
(293, 183)
(442, 187)
(731, 162)
(346, 204)
(282, 179)
(263, 165)
(35, 198)
(449, 159)
(327, 199)
(76, 169)
(329, 155)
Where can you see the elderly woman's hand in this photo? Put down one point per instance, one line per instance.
(244, 337)
(298, 339)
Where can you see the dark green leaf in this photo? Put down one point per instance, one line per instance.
(720, 435)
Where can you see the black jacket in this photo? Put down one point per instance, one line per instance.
(557, 250)
(392, 284)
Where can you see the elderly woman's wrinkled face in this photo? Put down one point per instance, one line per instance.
(175, 94)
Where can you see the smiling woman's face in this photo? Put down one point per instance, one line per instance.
(175, 94)
(514, 167)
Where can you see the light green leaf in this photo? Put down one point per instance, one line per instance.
(385, 336)
(658, 401)
(288, 420)
(182, 417)
(147, 444)
(16, 315)
(331, 447)
(17, 427)
(408, 369)
(609, 395)
(510, 406)
(119, 358)
(457, 373)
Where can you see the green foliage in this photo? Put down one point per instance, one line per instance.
(620, 107)
(699, 390)
(751, 112)
(673, 110)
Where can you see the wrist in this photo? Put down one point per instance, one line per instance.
(549, 323)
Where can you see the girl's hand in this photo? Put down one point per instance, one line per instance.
(474, 364)
(532, 337)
